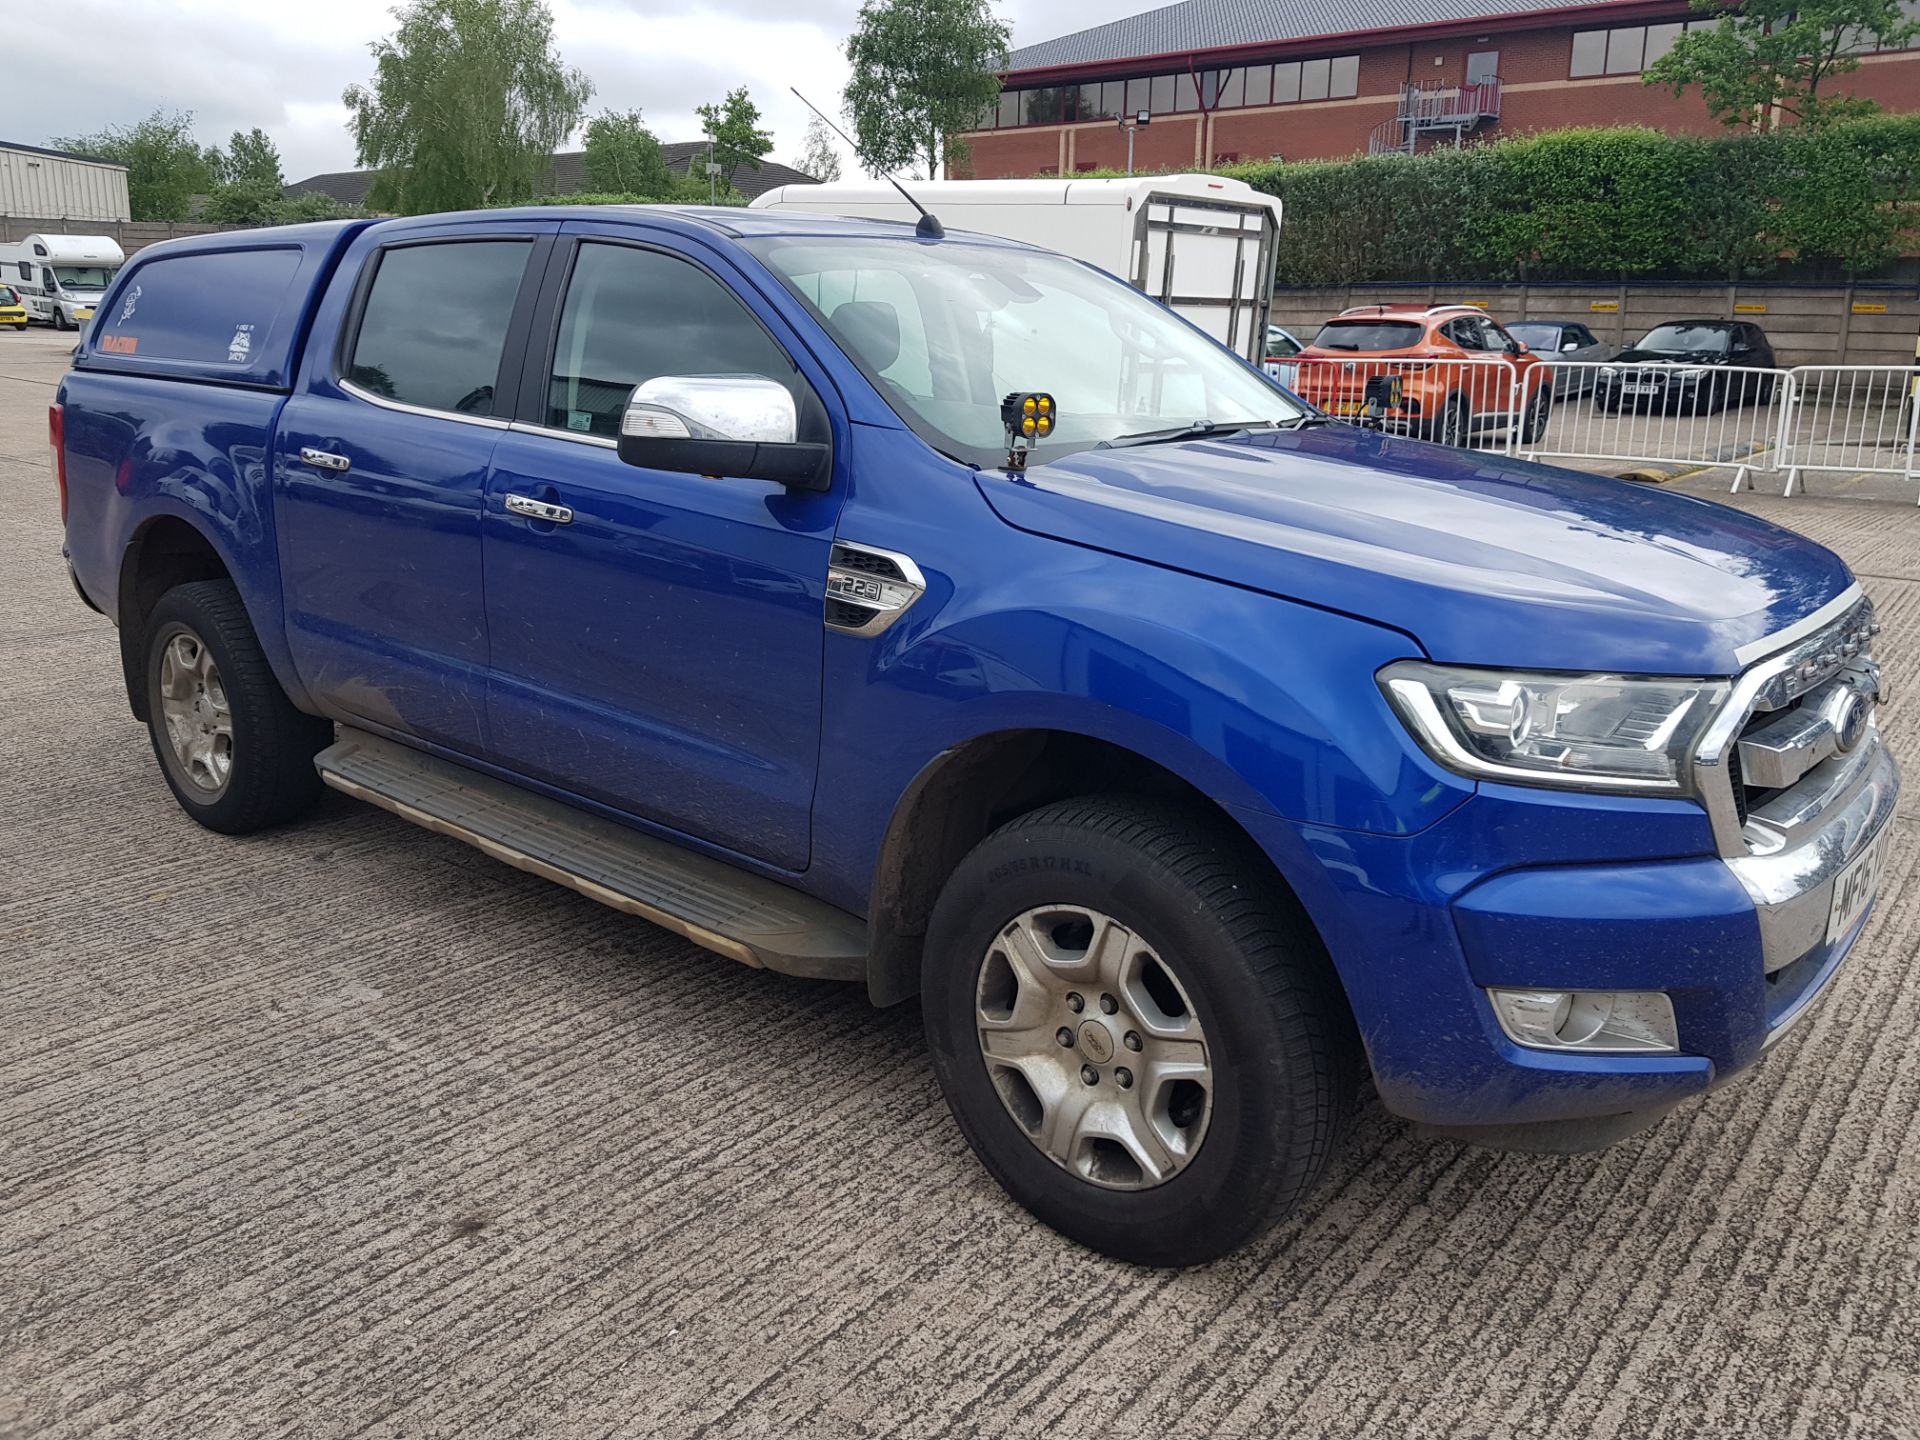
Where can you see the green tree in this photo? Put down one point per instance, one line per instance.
(1768, 55)
(623, 156)
(734, 125)
(818, 157)
(922, 73)
(166, 167)
(467, 104)
(250, 158)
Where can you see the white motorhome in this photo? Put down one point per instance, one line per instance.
(1203, 245)
(61, 277)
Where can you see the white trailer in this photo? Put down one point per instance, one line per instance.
(1202, 245)
(61, 277)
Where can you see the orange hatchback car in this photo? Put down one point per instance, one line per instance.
(1460, 373)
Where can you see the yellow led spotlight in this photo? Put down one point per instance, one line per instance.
(1029, 418)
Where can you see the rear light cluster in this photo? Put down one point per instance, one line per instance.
(57, 438)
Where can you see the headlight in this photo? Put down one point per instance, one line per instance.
(1579, 732)
(1608, 372)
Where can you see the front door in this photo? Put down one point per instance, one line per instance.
(660, 651)
(380, 463)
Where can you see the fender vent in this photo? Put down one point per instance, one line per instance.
(869, 589)
(867, 562)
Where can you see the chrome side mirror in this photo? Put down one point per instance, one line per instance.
(712, 407)
(721, 425)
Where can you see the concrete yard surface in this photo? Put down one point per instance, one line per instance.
(346, 1130)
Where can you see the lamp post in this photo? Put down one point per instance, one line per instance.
(1130, 124)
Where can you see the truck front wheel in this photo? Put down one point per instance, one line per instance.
(236, 754)
(1140, 1036)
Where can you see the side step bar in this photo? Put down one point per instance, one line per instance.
(745, 917)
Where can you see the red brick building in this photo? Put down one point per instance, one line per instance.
(1230, 80)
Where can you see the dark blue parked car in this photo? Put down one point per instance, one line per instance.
(942, 614)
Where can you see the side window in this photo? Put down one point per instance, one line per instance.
(632, 315)
(46, 279)
(435, 323)
(26, 271)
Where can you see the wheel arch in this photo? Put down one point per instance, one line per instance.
(165, 551)
(969, 790)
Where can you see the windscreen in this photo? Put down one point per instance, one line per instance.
(1368, 335)
(83, 277)
(1686, 339)
(1536, 337)
(946, 330)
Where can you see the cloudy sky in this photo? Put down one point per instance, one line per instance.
(282, 64)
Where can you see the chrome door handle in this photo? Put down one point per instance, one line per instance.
(324, 459)
(539, 510)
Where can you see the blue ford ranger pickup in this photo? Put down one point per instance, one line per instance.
(942, 614)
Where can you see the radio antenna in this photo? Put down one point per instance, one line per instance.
(929, 226)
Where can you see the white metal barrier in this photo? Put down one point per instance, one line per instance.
(1487, 401)
(1707, 416)
(1862, 419)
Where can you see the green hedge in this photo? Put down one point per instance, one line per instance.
(1604, 203)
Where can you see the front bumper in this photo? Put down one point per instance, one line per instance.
(1420, 927)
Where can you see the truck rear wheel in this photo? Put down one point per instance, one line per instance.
(1144, 1043)
(234, 751)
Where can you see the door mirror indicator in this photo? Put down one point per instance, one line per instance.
(720, 425)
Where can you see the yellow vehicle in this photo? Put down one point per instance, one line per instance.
(12, 312)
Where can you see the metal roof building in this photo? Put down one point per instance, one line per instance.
(41, 184)
(1241, 80)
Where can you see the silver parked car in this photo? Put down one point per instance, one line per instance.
(1564, 340)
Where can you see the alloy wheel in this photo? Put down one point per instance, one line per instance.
(199, 720)
(1094, 1047)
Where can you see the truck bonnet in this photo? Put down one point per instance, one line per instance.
(1482, 559)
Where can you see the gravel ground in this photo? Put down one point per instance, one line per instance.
(347, 1131)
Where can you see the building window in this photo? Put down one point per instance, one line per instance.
(1626, 47)
(1627, 50)
(1589, 52)
(1313, 79)
(1180, 93)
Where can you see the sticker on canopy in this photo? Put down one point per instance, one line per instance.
(120, 344)
(126, 308)
(240, 348)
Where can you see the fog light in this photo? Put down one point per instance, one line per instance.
(1594, 1021)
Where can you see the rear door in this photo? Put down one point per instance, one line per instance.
(660, 651)
(380, 465)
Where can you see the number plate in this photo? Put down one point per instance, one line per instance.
(1639, 388)
(1348, 407)
(1854, 890)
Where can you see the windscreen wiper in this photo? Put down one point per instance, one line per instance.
(1194, 431)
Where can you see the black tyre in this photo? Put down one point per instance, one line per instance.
(1534, 428)
(1138, 1032)
(59, 317)
(236, 754)
(1455, 425)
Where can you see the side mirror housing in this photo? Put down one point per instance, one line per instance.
(721, 425)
